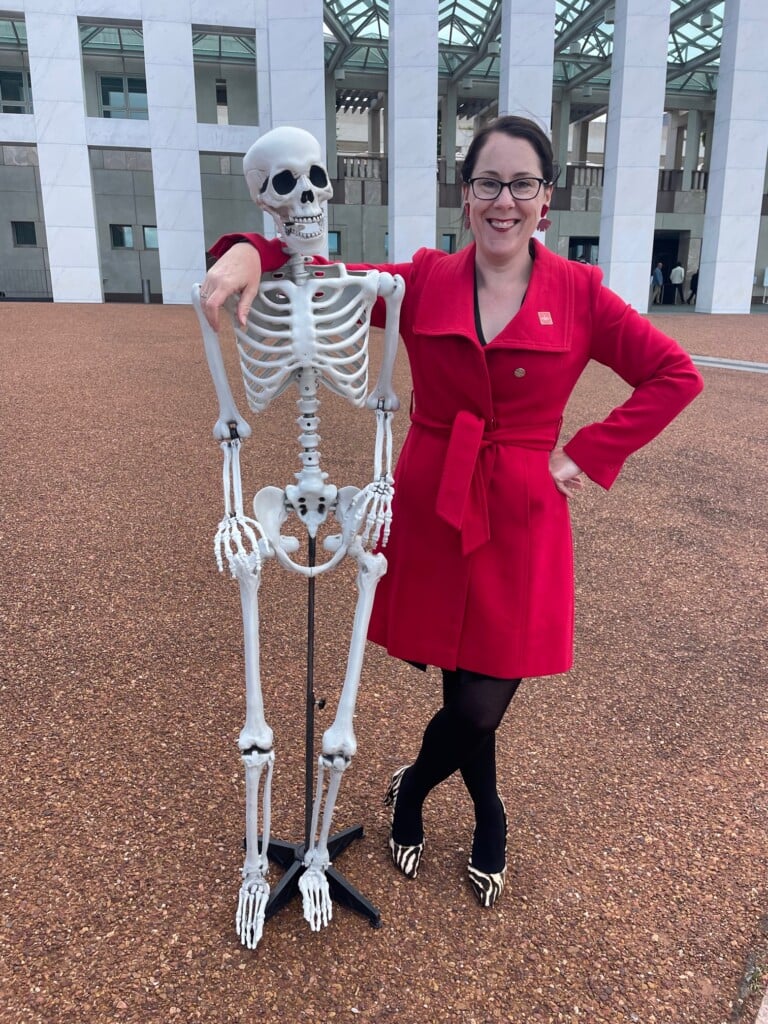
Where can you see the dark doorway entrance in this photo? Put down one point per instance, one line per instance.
(667, 251)
(584, 249)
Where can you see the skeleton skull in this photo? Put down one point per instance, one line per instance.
(287, 177)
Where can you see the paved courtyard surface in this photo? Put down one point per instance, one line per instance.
(637, 785)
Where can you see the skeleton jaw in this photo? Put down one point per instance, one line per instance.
(303, 235)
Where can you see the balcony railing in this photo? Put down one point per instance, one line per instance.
(25, 284)
(578, 188)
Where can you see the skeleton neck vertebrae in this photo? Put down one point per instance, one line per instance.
(308, 327)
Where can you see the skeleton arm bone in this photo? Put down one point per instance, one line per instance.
(392, 289)
(379, 493)
(228, 411)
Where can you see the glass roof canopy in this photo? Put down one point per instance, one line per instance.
(357, 34)
(357, 37)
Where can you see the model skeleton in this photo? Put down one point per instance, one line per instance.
(308, 326)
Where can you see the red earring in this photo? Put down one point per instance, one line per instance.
(466, 216)
(544, 223)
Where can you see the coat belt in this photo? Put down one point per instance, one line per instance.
(462, 500)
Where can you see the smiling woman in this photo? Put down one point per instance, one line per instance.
(479, 579)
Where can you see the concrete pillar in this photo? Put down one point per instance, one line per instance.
(674, 149)
(737, 170)
(692, 140)
(708, 124)
(580, 142)
(374, 128)
(633, 142)
(330, 125)
(412, 218)
(175, 159)
(65, 174)
(448, 139)
(297, 65)
(560, 126)
(527, 56)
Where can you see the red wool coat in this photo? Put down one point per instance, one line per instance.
(480, 566)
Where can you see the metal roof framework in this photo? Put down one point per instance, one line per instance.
(356, 38)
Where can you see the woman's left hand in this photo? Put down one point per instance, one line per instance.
(565, 473)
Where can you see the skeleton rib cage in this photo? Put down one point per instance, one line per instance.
(291, 327)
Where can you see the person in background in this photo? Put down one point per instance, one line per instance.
(480, 575)
(676, 277)
(657, 283)
(694, 287)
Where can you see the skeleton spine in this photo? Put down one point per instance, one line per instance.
(308, 421)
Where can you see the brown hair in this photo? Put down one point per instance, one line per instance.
(516, 128)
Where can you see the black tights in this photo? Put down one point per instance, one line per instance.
(460, 737)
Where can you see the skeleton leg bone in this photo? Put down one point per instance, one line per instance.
(315, 894)
(254, 891)
(255, 743)
(339, 744)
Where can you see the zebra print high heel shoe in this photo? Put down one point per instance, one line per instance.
(488, 886)
(405, 858)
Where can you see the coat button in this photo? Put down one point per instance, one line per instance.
(520, 371)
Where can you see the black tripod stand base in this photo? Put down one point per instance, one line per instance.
(291, 857)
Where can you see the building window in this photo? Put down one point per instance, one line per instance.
(150, 236)
(448, 243)
(121, 235)
(124, 96)
(15, 92)
(334, 243)
(24, 232)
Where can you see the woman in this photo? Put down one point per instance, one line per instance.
(480, 578)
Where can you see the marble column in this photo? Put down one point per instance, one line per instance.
(527, 57)
(330, 125)
(297, 65)
(692, 139)
(580, 142)
(412, 123)
(65, 174)
(296, 62)
(448, 137)
(674, 149)
(633, 142)
(175, 157)
(737, 169)
(707, 127)
(374, 128)
(560, 127)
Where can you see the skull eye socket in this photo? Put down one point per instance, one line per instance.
(318, 177)
(284, 183)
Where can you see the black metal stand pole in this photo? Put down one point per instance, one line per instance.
(291, 855)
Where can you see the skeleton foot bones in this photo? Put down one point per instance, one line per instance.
(308, 326)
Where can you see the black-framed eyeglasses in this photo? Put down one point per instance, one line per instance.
(520, 188)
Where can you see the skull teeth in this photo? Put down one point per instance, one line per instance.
(301, 224)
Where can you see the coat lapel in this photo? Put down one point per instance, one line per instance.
(446, 303)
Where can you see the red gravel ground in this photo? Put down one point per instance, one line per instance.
(636, 785)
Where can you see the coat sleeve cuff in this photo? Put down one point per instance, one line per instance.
(602, 473)
(271, 251)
